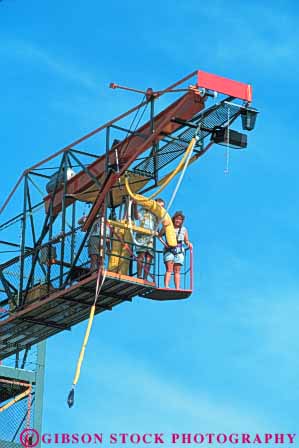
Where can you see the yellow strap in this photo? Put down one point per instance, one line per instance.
(137, 229)
(87, 332)
(165, 178)
(15, 400)
(81, 356)
(133, 196)
(152, 206)
(170, 176)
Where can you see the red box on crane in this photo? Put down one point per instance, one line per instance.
(224, 85)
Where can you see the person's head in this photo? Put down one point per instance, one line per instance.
(160, 202)
(178, 219)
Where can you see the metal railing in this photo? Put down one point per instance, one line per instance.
(186, 272)
(44, 272)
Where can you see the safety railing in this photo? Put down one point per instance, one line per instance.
(155, 273)
(186, 271)
(42, 271)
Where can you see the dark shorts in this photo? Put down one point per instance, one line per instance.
(94, 245)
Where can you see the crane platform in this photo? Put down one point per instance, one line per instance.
(164, 294)
(47, 286)
(64, 308)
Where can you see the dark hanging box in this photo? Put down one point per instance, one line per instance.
(225, 136)
(248, 117)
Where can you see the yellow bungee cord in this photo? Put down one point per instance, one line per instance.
(71, 395)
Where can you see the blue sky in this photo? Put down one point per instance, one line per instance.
(227, 359)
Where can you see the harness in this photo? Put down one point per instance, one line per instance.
(179, 249)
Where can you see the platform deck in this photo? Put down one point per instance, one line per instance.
(163, 294)
(62, 309)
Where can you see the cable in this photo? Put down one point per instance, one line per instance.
(181, 166)
(71, 396)
(226, 169)
(177, 169)
(181, 176)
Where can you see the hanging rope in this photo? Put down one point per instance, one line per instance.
(177, 169)
(180, 180)
(99, 285)
(182, 166)
(226, 170)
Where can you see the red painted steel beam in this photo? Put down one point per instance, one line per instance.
(190, 103)
(131, 148)
(90, 134)
(224, 85)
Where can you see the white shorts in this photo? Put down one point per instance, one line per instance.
(175, 258)
(145, 244)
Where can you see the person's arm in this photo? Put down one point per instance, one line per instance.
(186, 240)
(136, 214)
(82, 221)
(108, 240)
(161, 233)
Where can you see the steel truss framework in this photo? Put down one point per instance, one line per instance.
(38, 298)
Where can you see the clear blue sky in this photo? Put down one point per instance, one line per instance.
(227, 359)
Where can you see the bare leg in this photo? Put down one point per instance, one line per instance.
(177, 275)
(147, 265)
(140, 259)
(93, 262)
(169, 270)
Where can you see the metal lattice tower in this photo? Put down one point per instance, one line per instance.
(21, 376)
